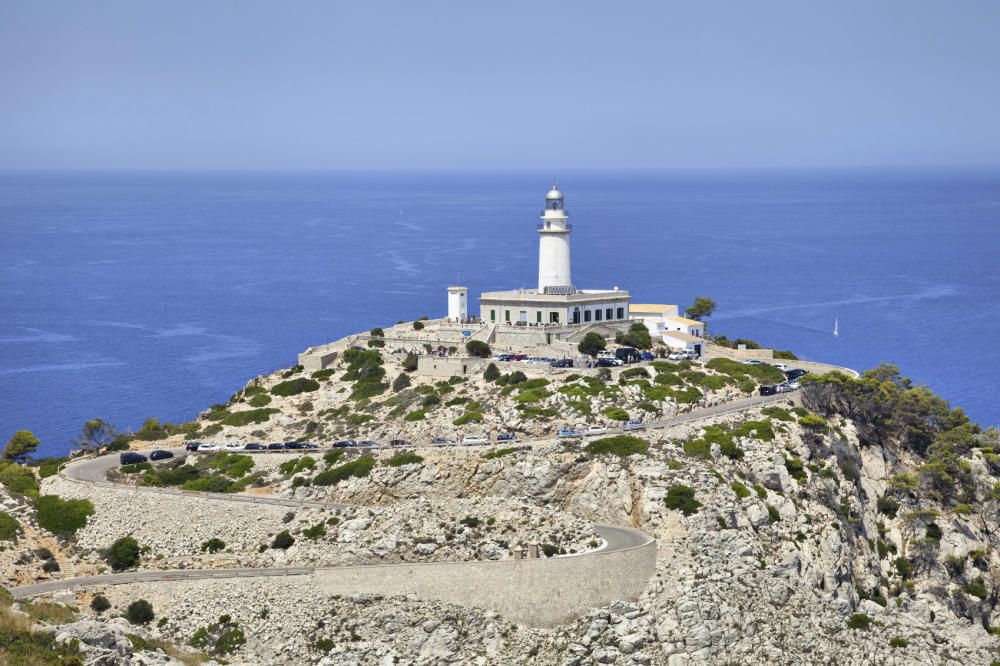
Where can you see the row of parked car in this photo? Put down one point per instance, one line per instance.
(535, 360)
(791, 383)
(598, 430)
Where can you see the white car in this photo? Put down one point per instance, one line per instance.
(474, 439)
(232, 446)
(677, 356)
(207, 448)
(595, 430)
(781, 366)
(751, 361)
(634, 425)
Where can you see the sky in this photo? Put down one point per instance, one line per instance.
(301, 85)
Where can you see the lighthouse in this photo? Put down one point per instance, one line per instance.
(553, 246)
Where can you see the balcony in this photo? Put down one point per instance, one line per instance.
(550, 227)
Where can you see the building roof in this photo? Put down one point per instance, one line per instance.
(534, 296)
(651, 308)
(685, 321)
(678, 335)
(458, 288)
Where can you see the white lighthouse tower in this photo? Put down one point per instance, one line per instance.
(553, 246)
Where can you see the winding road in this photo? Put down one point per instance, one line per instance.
(93, 472)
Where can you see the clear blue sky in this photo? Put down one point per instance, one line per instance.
(423, 84)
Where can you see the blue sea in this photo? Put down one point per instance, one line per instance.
(126, 296)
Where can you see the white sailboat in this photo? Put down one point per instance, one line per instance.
(836, 326)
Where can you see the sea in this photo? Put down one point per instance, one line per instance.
(126, 296)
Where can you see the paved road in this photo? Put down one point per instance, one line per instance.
(93, 471)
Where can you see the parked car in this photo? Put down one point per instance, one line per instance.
(369, 443)
(609, 363)
(795, 373)
(345, 444)
(474, 439)
(192, 446)
(678, 356)
(568, 432)
(751, 361)
(785, 387)
(594, 430)
(605, 354)
(627, 354)
(503, 357)
(275, 446)
(294, 445)
(768, 390)
(562, 363)
(232, 446)
(634, 425)
(506, 437)
(399, 442)
(208, 448)
(307, 445)
(781, 366)
(160, 454)
(131, 458)
(442, 441)
(647, 356)
(254, 447)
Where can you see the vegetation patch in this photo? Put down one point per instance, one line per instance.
(359, 468)
(219, 638)
(681, 498)
(249, 416)
(62, 517)
(619, 445)
(400, 459)
(616, 413)
(468, 417)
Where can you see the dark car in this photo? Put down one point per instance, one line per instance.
(254, 446)
(768, 390)
(160, 454)
(507, 437)
(627, 354)
(192, 446)
(307, 445)
(562, 363)
(345, 444)
(276, 446)
(795, 373)
(399, 442)
(608, 362)
(504, 357)
(294, 445)
(646, 356)
(131, 458)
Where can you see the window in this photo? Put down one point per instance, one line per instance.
(554, 317)
(610, 314)
(538, 316)
(621, 313)
(506, 315)
(597, 315)
(493, 315)
(586, 315)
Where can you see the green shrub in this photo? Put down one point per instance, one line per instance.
(698, 448)
(795, 468)
(859, 621)
(779, 413)
(322, 375)
(500, 453)
(135, 468)
(247, 417)
(234, 465)
(297, 465)
(471, 521)
(219, 638)
(361, 467)
(316, 532)
(400, 459)
(492, 373)
(517, 377)
(681, 498)
(295, 387)
(213, 545)
(10, 528)
(259, 400)
(713, 382)
(477, 348)
(898, 642)
(773, 514)
(332, 456)
(123, 554)
(283, 540)
(616, 413)
(813, 422)
(740, 490)
(531, 395)
(618, 445)
(18, 478)
(591, 344)
(210, 484)
(888, 506)
(976, 588)
(172, 476)
(400, 382)
(62, 517)
(139, 612)
(99, 604)
(904, 568)
(468, 417)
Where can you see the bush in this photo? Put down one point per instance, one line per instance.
(247, 417)
(210, 484)
(18, 478)
(404, 459)
(500, 453)
(359, 468)
(139, 612)
(859, 621)
(62, 517)
(219, 638)
(322, 375)
(415, 415)
(517, 377)
(976, 588)
(681, 498)
(591, 344)
(99, 604)
(898, 642)
(619, 445)
(234, 465)
(9, 527)
(283, 540)
(773, 515)
(297, 465)
(123, 554)
(740, 490)
(295, 387)
(332, 456)
(410, 362)
(904, 568)
(478, 348)
(418, 325)
(492, 373)
(888, 506)
(616, 413)
(213, 545)
(401, 382)
(260, 400)
(468, 417)
(813, 422)
(316, 532)
(173, 476)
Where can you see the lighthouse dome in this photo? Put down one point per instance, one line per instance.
(553, 194)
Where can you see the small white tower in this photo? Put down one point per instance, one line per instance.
(553, 246)
(458, 303)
